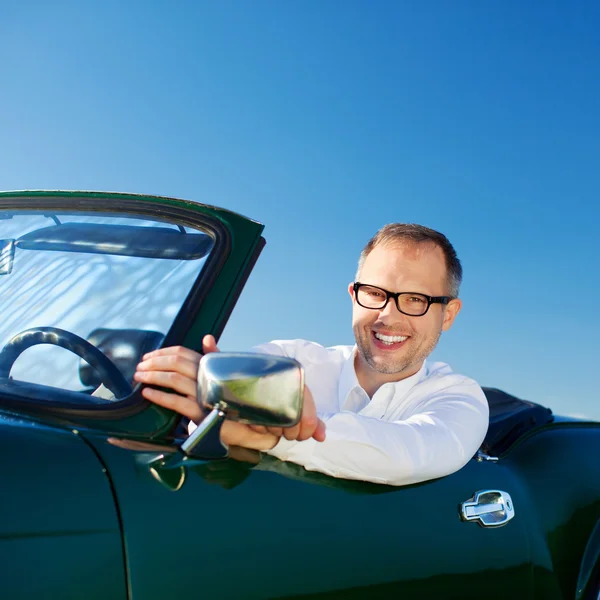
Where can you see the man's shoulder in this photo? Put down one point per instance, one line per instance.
(440, 376)
(437, 370)
(306, 350)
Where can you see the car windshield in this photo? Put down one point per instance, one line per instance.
(97, 276)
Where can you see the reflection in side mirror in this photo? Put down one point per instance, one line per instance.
(256, 389)
(7, 256)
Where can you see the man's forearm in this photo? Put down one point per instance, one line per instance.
(423, 447)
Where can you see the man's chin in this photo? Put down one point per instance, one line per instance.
(385, 367)
(383, 364)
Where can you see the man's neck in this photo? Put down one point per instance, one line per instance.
(371, 380)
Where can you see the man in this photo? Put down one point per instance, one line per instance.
(391, 415)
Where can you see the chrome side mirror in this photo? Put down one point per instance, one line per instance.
(256, 389)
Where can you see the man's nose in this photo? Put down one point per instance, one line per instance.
(390, 312)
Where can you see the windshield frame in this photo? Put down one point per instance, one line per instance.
(183, 213)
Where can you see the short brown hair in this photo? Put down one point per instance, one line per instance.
(417, 234)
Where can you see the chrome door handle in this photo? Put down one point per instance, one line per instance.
(488, 508)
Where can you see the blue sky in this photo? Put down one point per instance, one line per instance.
(327, 119)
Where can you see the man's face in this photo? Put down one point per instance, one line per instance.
(401, 267)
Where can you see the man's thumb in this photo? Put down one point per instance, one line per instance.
(209, 344)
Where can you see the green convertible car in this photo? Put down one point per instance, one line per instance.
(103, 496)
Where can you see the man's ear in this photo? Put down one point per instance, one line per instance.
(452, 309)
(351, 290)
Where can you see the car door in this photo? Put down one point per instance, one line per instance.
(235, 529)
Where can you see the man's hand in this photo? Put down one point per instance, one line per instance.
(309, 426)
(177, 368)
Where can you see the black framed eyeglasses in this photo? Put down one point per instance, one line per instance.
(408, 303)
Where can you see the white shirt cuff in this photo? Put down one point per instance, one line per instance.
(298, 452)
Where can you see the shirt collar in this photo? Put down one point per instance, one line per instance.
(348, 380)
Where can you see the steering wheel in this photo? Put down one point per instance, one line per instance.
(109, 374)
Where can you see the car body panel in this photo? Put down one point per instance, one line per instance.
(339, 534)
(590, 564)
(59, 526)
(559, 465)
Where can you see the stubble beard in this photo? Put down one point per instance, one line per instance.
(394, 364)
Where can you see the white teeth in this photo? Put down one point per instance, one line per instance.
(390, 339)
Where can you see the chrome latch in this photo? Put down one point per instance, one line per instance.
(482, 456)
(489, 508)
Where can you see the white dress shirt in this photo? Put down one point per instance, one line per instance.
(425, 426)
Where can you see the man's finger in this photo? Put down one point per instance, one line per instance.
(172, 363)
(291, 433)
(320, 432)
(258, 428)
(184, 406)
(181, 351)
(309, 421)
(185, 386)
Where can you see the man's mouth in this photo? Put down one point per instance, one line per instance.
(388, 342)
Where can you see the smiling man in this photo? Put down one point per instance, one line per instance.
(391, 415)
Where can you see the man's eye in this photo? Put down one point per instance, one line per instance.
(375, 294)
(416, 299)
